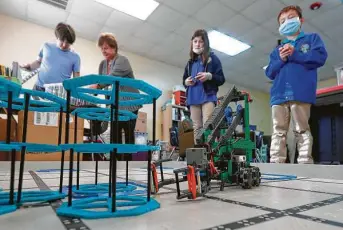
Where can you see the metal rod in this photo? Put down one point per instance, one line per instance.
(23, 149)
(63, 152)
(111, 153)
(127, 172)
(71, 156)
(154, 142)
(96, 162)
(96, 170)
(9, 117)
(116, 139)
(8, 141)
(12, 176)
(127, 161)
(78, 156)
(113, 209)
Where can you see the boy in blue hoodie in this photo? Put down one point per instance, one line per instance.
(293, 69)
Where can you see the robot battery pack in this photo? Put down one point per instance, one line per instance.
(196, 156)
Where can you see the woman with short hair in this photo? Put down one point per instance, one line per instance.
(117, 65)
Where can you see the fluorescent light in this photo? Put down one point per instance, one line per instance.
(265, 67)
(137, 8)
(226, 44)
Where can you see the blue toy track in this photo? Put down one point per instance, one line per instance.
(118, 194)
(92, 190)
(32, 196)
(121, 194)
(82, 208)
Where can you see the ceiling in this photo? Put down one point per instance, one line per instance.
(165, 35)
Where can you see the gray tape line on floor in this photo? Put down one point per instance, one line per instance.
(69, 223)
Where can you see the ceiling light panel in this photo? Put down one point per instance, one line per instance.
(226, 44)
(137, 8)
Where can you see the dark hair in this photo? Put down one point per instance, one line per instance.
(109, 39)
(289, 8)
(204, 36)
(65, 32)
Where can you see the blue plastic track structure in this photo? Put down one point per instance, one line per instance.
(100, 190)
(30, 147)
(107, 148)
(5, 209)
(103, 114)
(7, 87)
(27, 196)
(42, 102)
(32, 196)
(146, 97)
(277, 177)
(127, 201)
(126, 206)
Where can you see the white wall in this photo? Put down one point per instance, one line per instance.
(20, 41)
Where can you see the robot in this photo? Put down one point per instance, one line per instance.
(220, 154)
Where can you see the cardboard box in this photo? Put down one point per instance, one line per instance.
(43, 128)
(141, 122)
(186, 140)
(185, 126)
(5, 156)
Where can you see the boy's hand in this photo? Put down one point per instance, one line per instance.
(285, 51)
(283, 54)
(289, 48)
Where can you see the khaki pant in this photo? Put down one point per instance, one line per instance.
(199, 115)
(281, 115)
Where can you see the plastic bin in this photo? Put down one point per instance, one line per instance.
(330, 140)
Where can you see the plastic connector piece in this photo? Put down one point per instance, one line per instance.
(155, 178)
(246, 93)
(192, 184)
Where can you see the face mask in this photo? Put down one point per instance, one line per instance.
(290, 27)
(198, 51)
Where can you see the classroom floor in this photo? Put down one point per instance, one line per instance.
(313, 201)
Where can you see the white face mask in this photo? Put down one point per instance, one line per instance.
(198, 51)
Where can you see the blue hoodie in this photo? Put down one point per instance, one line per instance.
(296, 79)
(204, 92)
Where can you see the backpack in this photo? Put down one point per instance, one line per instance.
(174, 136)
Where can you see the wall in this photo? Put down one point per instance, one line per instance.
(20, 41)
(327, 83)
